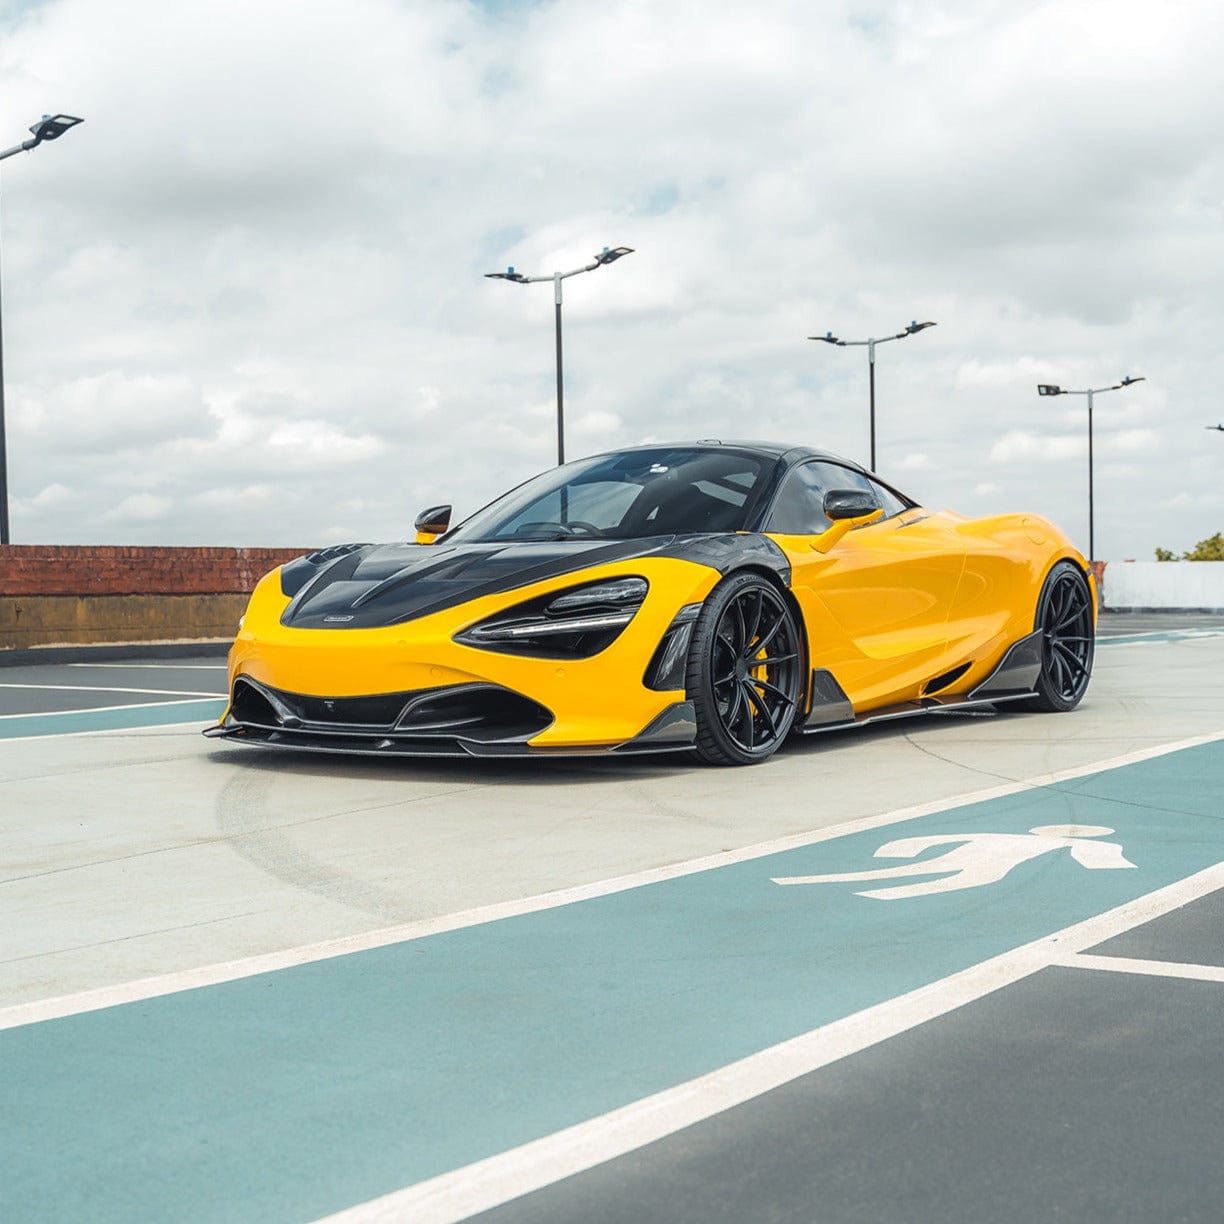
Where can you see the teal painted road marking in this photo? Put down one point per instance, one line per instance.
(288, 1095)
(113, 718)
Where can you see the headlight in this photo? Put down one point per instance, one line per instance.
(618, 592)
(575, 624)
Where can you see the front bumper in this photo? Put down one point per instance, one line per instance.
(412, 689)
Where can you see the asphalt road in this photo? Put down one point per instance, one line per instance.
(239, 984)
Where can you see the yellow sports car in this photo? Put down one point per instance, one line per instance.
(709, 596)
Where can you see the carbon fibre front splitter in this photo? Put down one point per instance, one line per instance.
(674, 730)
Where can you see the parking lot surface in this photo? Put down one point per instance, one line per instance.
(956, 968)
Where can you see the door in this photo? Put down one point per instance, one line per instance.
(877, 603)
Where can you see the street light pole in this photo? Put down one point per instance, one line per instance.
(1052, 389)
(606, 256)
(49, 127)
(1091, 494)
(830, 338)
(560, 379)
(871, 396)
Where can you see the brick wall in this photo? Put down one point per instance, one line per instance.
(53, 594)
(47, 569)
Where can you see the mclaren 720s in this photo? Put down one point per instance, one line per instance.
(711, 597)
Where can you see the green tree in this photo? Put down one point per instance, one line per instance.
(1210, 549)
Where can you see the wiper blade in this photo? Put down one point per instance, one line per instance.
(549, 531)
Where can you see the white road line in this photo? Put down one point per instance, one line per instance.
(107, 688)
(157, 666)
(228, 971)
(1126, 964)
(93, 733)
(508, 1175)
(136, 705)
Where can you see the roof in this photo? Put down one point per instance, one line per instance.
(772, 450)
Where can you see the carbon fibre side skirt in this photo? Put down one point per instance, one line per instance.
(1014, 678)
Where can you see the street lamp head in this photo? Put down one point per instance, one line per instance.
(828, 338)
(1126, 382)
(509, 274)
(612, 254)
(52, 127)
(1048, 389)
(917, 327)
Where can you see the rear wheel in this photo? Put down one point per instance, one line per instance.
(744, 671)
(1064, 618)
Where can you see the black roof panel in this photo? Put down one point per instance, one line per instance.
(771, 450)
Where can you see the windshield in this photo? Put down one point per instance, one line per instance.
(663, 491)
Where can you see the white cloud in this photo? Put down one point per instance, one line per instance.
(1017, 446)
(52, 495)
(259, 261)
(1186, 501)
(140, 508)
(317, 444)
(1133, 441)
(1003, 375)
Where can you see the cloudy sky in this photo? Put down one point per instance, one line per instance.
(244, 304)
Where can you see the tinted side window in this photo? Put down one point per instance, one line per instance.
(799, 508)
(888, 499)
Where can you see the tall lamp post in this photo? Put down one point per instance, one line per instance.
(49, 127)
(830, 338)
(1050, 389)
(606, 256)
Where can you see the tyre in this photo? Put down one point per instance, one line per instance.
(1064, 618)
(745, 671)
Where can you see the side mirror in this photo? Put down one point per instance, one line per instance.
(847, 504)
(432, 523)
(845, 509)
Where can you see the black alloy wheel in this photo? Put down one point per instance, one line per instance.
(1065, 620)
(745, 671)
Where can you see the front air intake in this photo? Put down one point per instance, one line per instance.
(473, 713)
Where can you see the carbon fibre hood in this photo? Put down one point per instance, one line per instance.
(373, 585)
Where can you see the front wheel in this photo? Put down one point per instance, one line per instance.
(744, 673)
(1064, 619)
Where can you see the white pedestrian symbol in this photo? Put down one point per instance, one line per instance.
(979, 858)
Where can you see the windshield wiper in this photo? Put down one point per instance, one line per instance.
(551, 531)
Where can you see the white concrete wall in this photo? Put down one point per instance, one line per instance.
(1163, 584)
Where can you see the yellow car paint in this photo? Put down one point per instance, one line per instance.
(889, 609)
(423, 654)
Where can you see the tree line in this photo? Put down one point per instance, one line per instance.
(1210, 549)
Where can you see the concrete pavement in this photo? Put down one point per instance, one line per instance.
(142, 853)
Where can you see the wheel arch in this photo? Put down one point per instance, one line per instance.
(1082, 564)
(1066, 647)
(781, 583)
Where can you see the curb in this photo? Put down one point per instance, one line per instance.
(31, 656)
(1160, 611)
